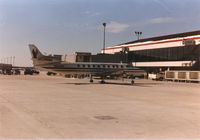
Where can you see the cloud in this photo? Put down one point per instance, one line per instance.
(92, 14)
(161, 20)
(163, 5)
(115, 27)
(112, 27)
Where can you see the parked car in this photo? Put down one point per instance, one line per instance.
(50, 73)
(29, 71)
(16, 72)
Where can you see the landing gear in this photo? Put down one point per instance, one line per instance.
(132, 82)
(91, 80)
(102, 82)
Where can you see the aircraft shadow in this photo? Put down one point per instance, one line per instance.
(115, 83)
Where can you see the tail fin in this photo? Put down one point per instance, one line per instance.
(35, 52)
(38, 58)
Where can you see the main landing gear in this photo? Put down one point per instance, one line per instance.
(132, 82)
(91, 80)
(102, 82)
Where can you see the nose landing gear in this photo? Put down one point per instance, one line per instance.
(132, 82)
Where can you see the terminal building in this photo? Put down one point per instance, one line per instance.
(176, 52)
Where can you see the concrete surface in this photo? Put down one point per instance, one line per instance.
(56, 107)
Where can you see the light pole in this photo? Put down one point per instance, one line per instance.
(13, 60)
(104, 37)
(138, 34)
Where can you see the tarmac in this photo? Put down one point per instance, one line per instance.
(56, 107)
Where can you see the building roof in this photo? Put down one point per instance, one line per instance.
(185, 34)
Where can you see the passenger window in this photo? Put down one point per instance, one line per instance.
(84, 66)
(88, 66)
(78, 66)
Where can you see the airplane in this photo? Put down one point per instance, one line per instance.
(94, 69)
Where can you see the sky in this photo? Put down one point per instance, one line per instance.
(67, 26)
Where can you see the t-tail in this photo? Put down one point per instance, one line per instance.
(37, 57)
(35, 52)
